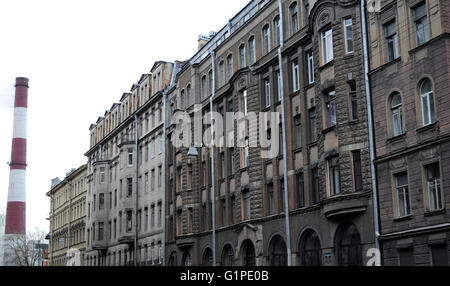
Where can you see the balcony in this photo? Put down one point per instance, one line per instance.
(126, 238)
(345, 204)
(99, 244)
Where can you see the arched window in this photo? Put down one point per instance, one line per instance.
(221, 73)
(173, 259)
(252, 52)
(207, 257)
(227, 256)
(427, 102)
(204, 87)
(187, 259)
(396, 114)
(230, 66)
(242, 62)
(266, 39)
(293, 15)
(310, 248)
(188, 95)
(349, 245)
(277, 252)
(182, 99)
(276, 30)
(248, 254)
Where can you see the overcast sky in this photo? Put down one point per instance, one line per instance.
(80, 56)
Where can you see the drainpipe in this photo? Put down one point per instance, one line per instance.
(213, 179)
(163, 211)
(137, 191)
(285, 172)
(371, 136)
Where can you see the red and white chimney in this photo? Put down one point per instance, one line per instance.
(16, 209)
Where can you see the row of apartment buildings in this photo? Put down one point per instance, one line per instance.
(352, 175)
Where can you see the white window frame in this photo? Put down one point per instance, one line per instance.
(130, 157)
(295, 77)
(266, 39)
(402, 189)
(348, 37)
(267, 92)
(327, 46)
(310, 59)
(427, 119)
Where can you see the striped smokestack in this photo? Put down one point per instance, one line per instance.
(16, 209)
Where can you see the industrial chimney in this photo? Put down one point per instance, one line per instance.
(15, 210)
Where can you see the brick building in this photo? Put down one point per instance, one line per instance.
(410, 56)
(328, 162)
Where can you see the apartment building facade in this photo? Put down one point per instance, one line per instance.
(410, 56)
(67, 243)
(327, 144)
(125, 176)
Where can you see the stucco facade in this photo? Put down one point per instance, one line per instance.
(67, 243)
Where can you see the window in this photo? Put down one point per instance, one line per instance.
(300, 188)
(427, 101)
(311, 250)
(298, 131)
(231, 154)
(221, 73)
(349, 246)
(266, 39)
(130, 157)
(252, 52)
(227, 256)
(421, 23)
(210, 76)
(146, 183)
(100, 230)
(242, 56)
(278, 77)
(312, 124)
(439, 255)
(224, 212)
(246, 206)
(270, 200)
(248, 253)
(331, 108)
(406, 257)
(267, 92)
(159, 176)
(152, 180)
(314, 186)
(357, 170)
(327, 46)
(115, 198)
(396, 114)
(348, 35)
(434, 187)
(310, 59)
(276, 30)
(101, 201)
(353, 97)
(129, 187)
(129, 221)
(277, 252)
(188, 95)
(293, 13)
(182, 99)
(403, 204)
(333, 176)
(152, 217)
(203, 87)
(230, 66)
(102, 175)
(390, 33)
(295, 76)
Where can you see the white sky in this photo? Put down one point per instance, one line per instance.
(80, 56)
